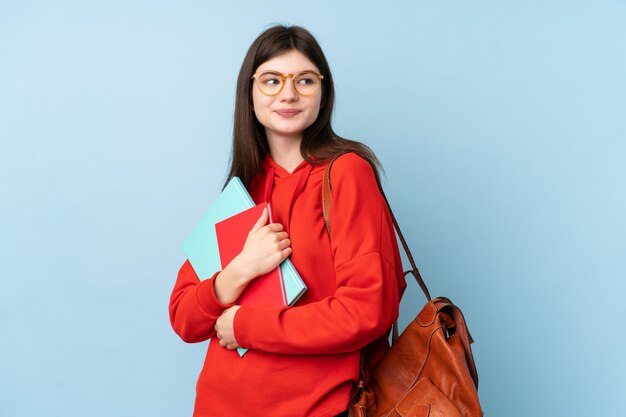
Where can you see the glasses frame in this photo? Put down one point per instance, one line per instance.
(284, 81)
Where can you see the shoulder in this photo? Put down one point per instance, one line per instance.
(352, 172)
(351, 161)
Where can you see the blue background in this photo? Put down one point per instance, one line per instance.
(501, 126)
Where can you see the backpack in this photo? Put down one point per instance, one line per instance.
(429, 371)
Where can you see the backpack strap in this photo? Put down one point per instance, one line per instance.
(326, 212)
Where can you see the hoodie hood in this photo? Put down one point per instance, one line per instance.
(280, 172)
(291, 184)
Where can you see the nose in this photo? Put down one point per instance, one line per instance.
(289, 92)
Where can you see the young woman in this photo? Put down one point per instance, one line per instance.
(304, 359)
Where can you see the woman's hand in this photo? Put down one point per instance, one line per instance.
(267, 245)
(224, 328)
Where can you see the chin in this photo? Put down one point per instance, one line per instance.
(291, 130)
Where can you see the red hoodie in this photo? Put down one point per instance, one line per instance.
(303, 360)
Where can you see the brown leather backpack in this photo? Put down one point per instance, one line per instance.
(429, 370)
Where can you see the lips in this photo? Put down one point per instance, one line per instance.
(287, 112)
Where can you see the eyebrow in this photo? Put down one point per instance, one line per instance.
(297, 72)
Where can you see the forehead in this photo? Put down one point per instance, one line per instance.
(290, 62)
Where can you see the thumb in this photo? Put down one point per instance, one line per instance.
(262, 220)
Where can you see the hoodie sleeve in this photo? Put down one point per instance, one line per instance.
(366, 300)
(194, 307)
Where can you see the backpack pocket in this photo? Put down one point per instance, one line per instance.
(425, 400)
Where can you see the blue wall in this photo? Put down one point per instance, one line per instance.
(501, 126)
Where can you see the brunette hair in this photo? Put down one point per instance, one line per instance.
(319, 140)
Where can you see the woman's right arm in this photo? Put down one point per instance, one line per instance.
(196, 305)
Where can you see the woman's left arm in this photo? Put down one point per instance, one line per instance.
(367, 271)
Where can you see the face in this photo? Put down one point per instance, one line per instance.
(286, 115)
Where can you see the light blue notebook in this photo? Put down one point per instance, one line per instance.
(201, 245)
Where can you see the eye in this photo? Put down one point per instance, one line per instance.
(270, 79)
(307, 78)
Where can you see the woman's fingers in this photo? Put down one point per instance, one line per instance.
(224, 328)
(262, 221)
(265, 247)
(275, 227)
(285, 253)
(229, 346)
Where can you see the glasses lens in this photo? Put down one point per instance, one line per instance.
(306, 83)
(270, 83)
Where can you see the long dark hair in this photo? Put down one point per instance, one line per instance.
(319, 140)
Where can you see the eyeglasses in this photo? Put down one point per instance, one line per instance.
(271, 83)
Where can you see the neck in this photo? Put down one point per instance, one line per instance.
(285, 152)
